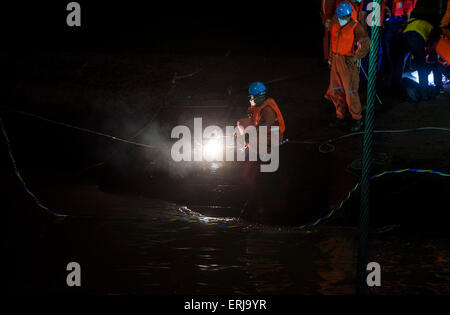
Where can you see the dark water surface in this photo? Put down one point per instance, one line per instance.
(135, 245)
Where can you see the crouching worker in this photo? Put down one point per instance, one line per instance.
(263, 111)
(349, 43)
(417, 35)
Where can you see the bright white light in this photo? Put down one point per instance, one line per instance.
(212, 150)
(415, 76)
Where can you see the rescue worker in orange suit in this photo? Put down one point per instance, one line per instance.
(357, 15)
(263, 111)
(349, 42)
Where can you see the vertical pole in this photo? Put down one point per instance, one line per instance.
(367, 148)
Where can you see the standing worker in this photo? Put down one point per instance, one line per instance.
(356, 15)
(349, 42)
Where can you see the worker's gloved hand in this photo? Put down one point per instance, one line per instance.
(327, 23)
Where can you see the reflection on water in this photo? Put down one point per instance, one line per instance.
(128, 251)
(338, 264)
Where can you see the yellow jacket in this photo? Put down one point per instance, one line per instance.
(420, 26)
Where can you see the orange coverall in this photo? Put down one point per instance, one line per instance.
(348, 43)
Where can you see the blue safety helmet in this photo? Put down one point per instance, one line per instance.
(256, 88)
(344, 9)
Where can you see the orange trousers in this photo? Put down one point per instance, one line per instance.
(326, 43)
(344, 85)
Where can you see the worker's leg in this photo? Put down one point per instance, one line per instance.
(350, 81)
(416, 45)
(392, 49)
(437, 74)
(326, 44)
(336, 88)
(441, 70)
(445, 70)
(399, 51)
(390, 31)
(434, 67)
(326, 55)
(327, 95)
(423, 73)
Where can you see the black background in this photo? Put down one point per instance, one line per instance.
(189, 26)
